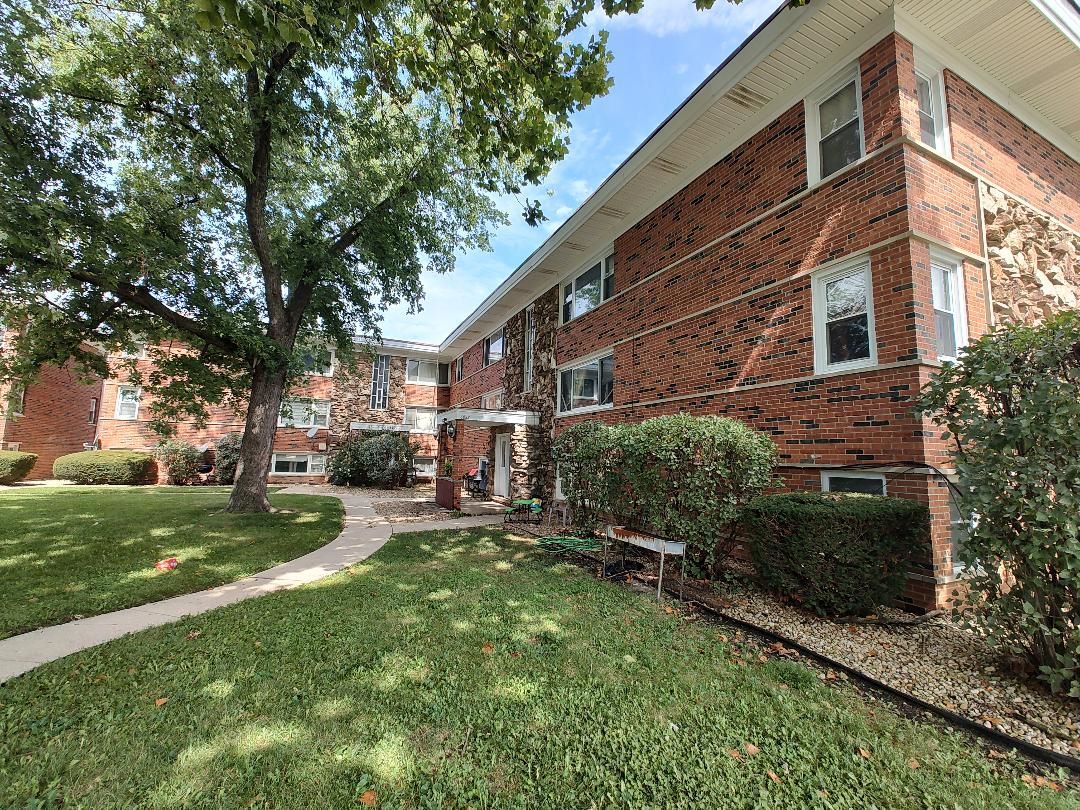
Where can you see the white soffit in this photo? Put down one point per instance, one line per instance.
(1011, 43)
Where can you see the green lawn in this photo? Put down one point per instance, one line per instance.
(79, 551)
(465, 669)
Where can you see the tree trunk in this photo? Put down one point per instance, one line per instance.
(257, 447)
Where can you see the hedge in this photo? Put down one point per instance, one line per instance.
(104, 467)
(381, 460)
(838, 554)
(15, 466)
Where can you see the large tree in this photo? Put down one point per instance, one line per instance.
(254, 178)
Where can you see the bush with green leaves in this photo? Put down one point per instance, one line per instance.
(105, 467)
(380, 460)
(180, 460)
(678, 476)
(838, 554)
(226, 457)
(1011, 405)
(15, 465)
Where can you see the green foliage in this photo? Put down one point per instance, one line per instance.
(380, 460)
(15, 465)
(1011, 404)
(678, 476)
(104, 467)
(838, 554)
(179, 459)
(226, 457)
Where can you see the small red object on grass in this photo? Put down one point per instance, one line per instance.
(167, 565)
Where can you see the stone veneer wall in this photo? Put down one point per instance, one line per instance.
(352, 396)
(1034, 260)
(532, 472)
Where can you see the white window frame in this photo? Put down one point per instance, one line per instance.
(312, 460)
(438, 373)
(819, 280)
(383, 393)
(813, 121)
(577, 363)
(409, 361)
(459, 369)
(930, 70)
(410, 418)
(497, 392)
(530, 347)
(501, 331)
(425, 473)
(955, 266)
(607, 268)
(828, 475)
(120, 402)
(311, 412)
(92, 417)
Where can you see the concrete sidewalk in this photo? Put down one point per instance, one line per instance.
(364, 534)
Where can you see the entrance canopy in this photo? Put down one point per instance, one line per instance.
(480, 417)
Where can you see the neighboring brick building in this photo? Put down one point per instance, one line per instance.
(399, 390)
(827, 219)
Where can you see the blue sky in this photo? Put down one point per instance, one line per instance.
(661, 54)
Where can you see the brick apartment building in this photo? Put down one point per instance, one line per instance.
(859, 189)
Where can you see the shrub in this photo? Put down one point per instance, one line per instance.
(15, 466)
(180, 460)
(381, 460)
(838, 554)
(104, 467)
(1011, 404)
(226, 457)
(681, 476)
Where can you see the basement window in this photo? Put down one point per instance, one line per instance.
(844, 318)
(865, 483)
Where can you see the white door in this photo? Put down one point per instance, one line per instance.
(502, 465)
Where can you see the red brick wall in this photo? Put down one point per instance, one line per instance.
(1008, 153)
(55, 418)
(476, 380)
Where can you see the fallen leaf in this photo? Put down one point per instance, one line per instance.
(913, 763)
(993, 753)
(488, 648)
(823, 794)
(101, 677)
(368, 798)
(773, 776)
(751, 749)
(515, 655)
(194, 634)
(161, 702)
(731, 752)
(864, 753)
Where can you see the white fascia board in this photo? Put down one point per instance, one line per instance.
(1064, 15)
(493, 418)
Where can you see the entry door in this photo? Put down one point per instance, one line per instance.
(502, 465)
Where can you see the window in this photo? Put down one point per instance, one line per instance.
(92, 416)
(844, 318)
(492, 400)
(930, 98)
(423, 372)
(867, 483)
(136, 352)
(380, 383)
(530, 344)
(459, 368)
(493, 348)
(318, 361)
(298, 464)
(444, 373)
(127, 402)
(589, 290)
(834, 127)
(17, 400)
(304, 413)
(587, 385)
(948, 291)
(425, 467)
(422, 419)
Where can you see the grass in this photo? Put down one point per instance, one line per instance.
(79, 551)
(465, 669)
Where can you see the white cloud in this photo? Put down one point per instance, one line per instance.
(681, 68)
(663, 17)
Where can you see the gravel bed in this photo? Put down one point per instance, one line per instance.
(935, 660)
